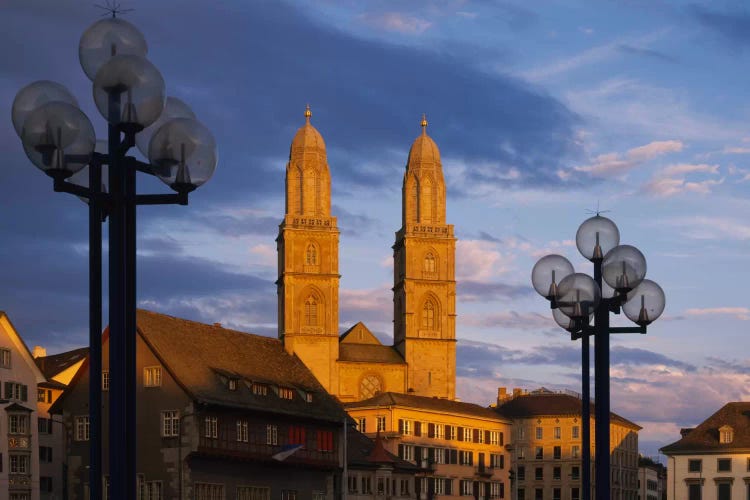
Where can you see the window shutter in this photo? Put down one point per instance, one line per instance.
(401, 451)
(448, 432)
(476, 489)
(418, 455)
(448, 486)
(471, 457)
(431, 455)
(502, 440)
(502, 461)
(486, 436)
(24, 393)
(417, 428)
(476, 435)
(431, 430)
(8, 390)
(400, 425)
(430, 487)
(460, 433)
(453, 456)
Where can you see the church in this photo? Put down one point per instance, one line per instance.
(356, 366)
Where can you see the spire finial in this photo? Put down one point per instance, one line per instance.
(308, 113)
(424, 123)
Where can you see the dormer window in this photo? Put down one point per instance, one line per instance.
(286, 393)
(726, 434)
(260, 389)
(232, 384)
(309, 397)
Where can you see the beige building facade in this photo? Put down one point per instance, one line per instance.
(356, 365)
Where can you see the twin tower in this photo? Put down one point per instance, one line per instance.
(355, 365)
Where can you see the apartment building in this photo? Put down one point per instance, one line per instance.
(459, 447)
(652, 480)
(374, 473)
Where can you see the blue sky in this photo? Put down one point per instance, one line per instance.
(542, 110)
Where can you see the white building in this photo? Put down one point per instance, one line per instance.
(712, 461)
(19, 439)
(652, 478)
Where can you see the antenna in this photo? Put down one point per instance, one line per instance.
(112, 8)
(596, 212)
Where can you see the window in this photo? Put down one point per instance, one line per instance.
(467, 434)
(539, 473)
(242, 431)
(211, 427)
(17, 391)
(41, 395)
(429, 263)
(45, 453)
(208, 491)
(521, 473)
(352, 482)
(576, 432)
(260, 389)
(694, 491)
(439, 431)
(296, 435)
(18, 424)
(318, 495)
(556, 473)
(45, 483)
(82, 428)
(152, 376)
(362, 425)
(521, 494)
(311, 255)
(724, 464)
(556, 493)
(407, 452)
(465, 457)
(381, 424)
(253, 493)
(539, 453)
(479, 435)
(521, 433)
(367, 485)
(724, 491)
(408, 425)
(557, 433)
(452, 430)
(4, 358)
(272, 434)
(170, 423)
(439, 486)
(467, 487)
(325, 441)
(726, 434)
(404, 483)
(286, 393)
(428, 315)
(288, 494)
(695, 465)
(538, 494)
(575, 472)
(309, 397)
(557, 452)
(311, 311)
(105, 380)
(19, 464)
(539, 433)
(575, 494)
(496, 438)
(575, 450)
(497, 490)
(232, 384)
(44, 425)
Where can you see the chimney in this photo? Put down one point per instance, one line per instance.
(686, 430)
(502, 395)
(39, 352)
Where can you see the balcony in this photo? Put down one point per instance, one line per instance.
(238, 450)
(484, 471)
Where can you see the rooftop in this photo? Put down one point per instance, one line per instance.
(705, 437)
(426, 403)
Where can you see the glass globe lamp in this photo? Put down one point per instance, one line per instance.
(129, 92)
(645, 303)
(578, 296)
(597, 236)
(108, 38)
(173, 108)
(547, 274)
(81, 178)
(58, 138)
(184, 154)
(623, 268)
(34, 95)
(567, 323)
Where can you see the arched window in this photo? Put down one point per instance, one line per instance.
(428, 315)
(426, 201)
(429, 263)
(311, 255)
(311, 311)
(369, 386)
(414, 195)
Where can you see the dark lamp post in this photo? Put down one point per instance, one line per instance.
(58, 138)
(576, 299)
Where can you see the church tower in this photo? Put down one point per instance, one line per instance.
(308, 250)
(424, 289)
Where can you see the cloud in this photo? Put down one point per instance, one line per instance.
(398, 22)
(672, 180)
(614, 164)
(621, 355)
(646, 53)
(741, 313)
(732, 26)
(507, 320)
(367, 305)
(478, 291)
(479, 260)
(704, 227)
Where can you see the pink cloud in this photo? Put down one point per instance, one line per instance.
(398, 22)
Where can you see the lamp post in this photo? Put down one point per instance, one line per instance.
(59, 139)
(575, 298)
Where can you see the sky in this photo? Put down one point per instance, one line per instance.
(543, 111)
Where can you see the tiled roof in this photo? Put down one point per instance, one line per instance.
(369, 353)
(197, 355)
(360, 450)
(426, 403)
(547, 403)
(57, 363)
(705, 437)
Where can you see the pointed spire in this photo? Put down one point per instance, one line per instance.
(424, 124)
(308, 113)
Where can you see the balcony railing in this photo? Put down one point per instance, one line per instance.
(265, 452)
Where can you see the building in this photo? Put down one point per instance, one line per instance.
(19, 446)
(712, 460)
(356, 366)
(221, 414)
(460, 447)
(374, 473)
(58, 370)
(547, 446)
(652, 480)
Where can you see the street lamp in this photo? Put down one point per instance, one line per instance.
(575, 298)
(59, 139)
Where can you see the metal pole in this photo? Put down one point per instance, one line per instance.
(601, 391)
(95, 332)
(130, 329)
(585, 417)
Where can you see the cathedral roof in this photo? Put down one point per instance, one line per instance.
(307, 137)
(369, 353)
(423, 150)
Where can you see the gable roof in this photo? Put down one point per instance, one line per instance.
(196, 354)
(705, 437)
(369, 353)
(426, 403)
(21, 347)
(359, 334)
(547, 403)
(364, 453)
(57, 363)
